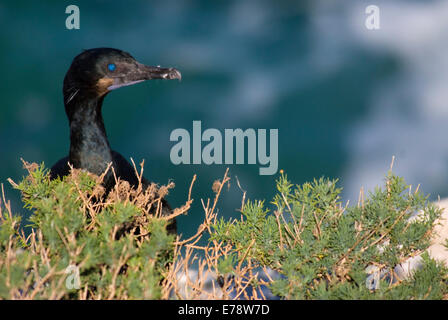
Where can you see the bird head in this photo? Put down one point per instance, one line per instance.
(96, 72)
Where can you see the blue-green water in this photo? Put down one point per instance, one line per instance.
(343, 98)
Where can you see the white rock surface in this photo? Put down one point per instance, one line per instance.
(436, 250)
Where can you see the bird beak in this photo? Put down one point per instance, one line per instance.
(143, 73)
(149, 72)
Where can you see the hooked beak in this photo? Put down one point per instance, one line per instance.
(142, 73)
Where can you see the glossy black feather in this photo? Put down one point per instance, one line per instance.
(86, 83)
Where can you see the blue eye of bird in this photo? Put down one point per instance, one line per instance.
(111, 66)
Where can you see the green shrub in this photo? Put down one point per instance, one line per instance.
(119, 249)
(321, 248)
(85, 244)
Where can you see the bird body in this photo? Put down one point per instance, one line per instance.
(92, 75)
(124, 171)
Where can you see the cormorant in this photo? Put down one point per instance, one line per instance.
(91, 76)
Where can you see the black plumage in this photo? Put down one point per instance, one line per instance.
(91, 76)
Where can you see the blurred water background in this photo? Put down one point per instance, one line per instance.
(345, 99)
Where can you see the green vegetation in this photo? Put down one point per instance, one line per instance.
(322, 248)
(88, 245)
(100, 238)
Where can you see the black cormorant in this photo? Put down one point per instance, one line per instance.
(91, 76)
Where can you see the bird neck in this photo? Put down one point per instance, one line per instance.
(89, 147)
